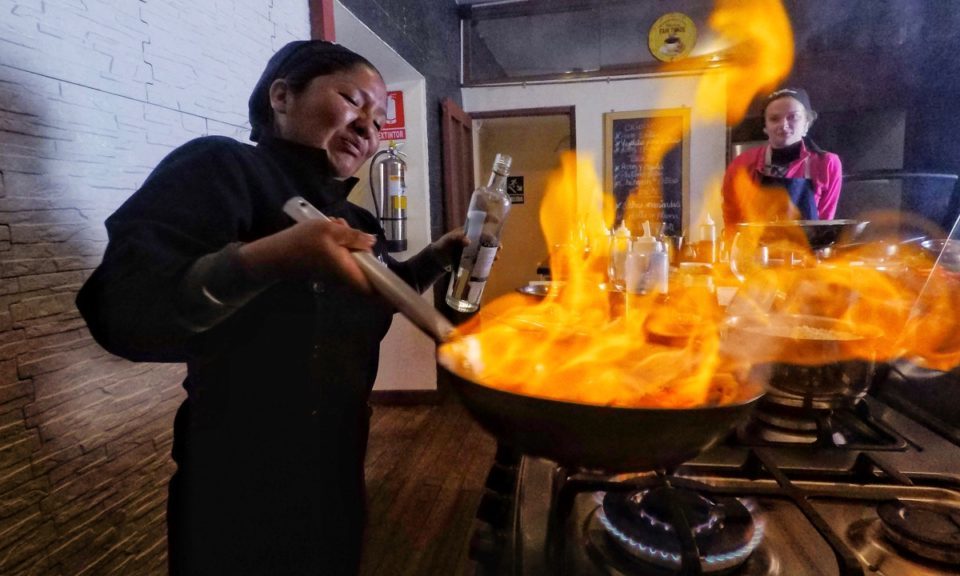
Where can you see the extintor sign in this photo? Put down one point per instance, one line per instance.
(393, 128)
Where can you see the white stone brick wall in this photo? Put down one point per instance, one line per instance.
(93, 93)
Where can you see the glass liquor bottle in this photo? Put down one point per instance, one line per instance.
(486, 214)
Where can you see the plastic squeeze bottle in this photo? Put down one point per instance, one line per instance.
(707, 248)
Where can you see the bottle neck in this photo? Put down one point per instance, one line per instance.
(497, 181)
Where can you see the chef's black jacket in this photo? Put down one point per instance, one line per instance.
(270, 441)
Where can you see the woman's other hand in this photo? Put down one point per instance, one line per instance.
(306, 248)
(450, 245)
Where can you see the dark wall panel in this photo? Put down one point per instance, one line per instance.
(426, 33)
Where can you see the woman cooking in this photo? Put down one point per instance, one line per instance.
(275, 321)
(789, 161)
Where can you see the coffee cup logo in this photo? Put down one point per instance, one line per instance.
(672, 37)
(672, 45)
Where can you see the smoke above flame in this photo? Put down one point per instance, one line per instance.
(589, 343)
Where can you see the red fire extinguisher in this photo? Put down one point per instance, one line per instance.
(389, 190)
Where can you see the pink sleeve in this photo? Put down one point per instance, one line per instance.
(731, 211)
(830, 194)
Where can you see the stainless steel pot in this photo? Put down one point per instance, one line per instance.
(944, 251)
(804, 361)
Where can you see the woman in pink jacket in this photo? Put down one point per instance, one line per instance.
(789, 161)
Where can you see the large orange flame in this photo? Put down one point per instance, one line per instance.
(881, 285)
(584, 342)
(590, 343)
(761, 41)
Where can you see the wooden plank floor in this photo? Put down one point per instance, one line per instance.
(426, 466)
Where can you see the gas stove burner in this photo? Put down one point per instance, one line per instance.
(796, 416)
(852, 427)
(724, 529)
(928, 529)
(771, 422)
(778, 423)
(781, 398)
(801, 422)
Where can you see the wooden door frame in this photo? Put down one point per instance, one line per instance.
(569, 111)
(458, 180)
(457, 133)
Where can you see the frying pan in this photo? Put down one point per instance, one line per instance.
(608, 438)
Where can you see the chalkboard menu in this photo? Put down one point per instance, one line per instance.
(643, 187)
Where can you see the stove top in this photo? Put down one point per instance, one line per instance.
(867, 489)
(871, 491)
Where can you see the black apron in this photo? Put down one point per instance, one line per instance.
(801, 191)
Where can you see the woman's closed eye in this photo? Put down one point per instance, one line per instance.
(378, 123)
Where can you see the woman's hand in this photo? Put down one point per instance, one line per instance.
(306, 248)
(450, 245)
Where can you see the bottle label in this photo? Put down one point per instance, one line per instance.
(476, 290)
(474, 224)
(484, 262)
(472, 228)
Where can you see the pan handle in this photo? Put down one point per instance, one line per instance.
(391, 286)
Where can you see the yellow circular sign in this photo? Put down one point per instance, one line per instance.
(672, 36)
